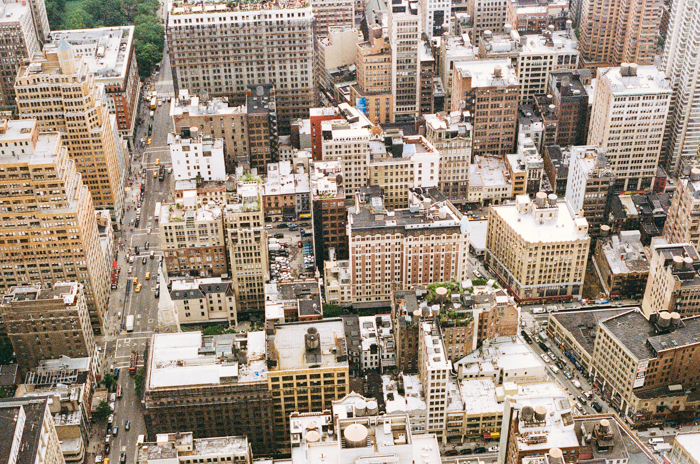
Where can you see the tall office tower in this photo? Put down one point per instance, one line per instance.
(225, 46)
(49, 230)
(349, 144)
(683, 220)
(405, 38)
(374, 77)
(533, 16)
(489, 91)
(332, 13)
(538, 249)
(60, 92)
(435, 17)
(244, 221)
(487, 15)
(570, 100)
(619, 31)
(18, 42)
(47, 323)
(29, 432)
(680, 63)
(434, 369)
(110, 54)
(329, 212)
(451, 135)
(263, 135)
(41, 19)
(629, 112)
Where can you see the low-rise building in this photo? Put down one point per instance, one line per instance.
(195, 155)
(483, 412)
(292, 301)
(686, 449)
(504, 359)
(673, 282)
(337, 282)
(183, 448)
(399, 163)
(192, 238)
(287, 191)
(404, 396)
(535, 125)
(45, 323)
(201, 302)
(378, 343)
(556, 168)
(526, 167)
(538, 249)
(622, 264)
(489, 182)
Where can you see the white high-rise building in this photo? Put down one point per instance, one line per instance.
(630, 106)
(434, 15)
(434, 368)
(197, 157)
(680, 63)
(405, 37)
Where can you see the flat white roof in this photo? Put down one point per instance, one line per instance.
(691, 443)
(290, 347)
(482, 73)
(561, 228)
(648, 80)
(479, 396)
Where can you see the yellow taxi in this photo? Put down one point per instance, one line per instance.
(157, 161)
(148, 142)
(138, 288)
(155, 174)
(148, 275)
(136, 280)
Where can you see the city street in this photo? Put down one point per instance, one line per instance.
(117, 344)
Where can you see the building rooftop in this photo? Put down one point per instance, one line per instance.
(12, 12)
(67, 291)
(613, 443)
(691, 443)
(506, 354)
(479, 396)
(106, 50)
(31, 434)
(189, 358)
(182, 7)
(182, 289)
(188, 212)
(190, 105)
(568, 84)
(625, 253)
(429, 209)
(8, 375)
(635, 80)
(435, 358)
(220, 445)
(537, 44)
(412, 398)
(303, 345)
(488, 171)
(549, 221)
(460, 47)
(583, 325)
(281, 180)
(643, 338)
(484, 73)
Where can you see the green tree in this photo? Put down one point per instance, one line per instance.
(103, 411)
(148, 29)
(147, 55)
(108, 381)
(146, 7)
(78, 19)
(106, 13)
(138, 381)
(332, 310)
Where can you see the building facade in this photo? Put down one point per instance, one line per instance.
(630, 103)
(538, 249)
(227, 60)
(56, 201)
(18, 37)
(374, 77)
(62, 94)
(404, 34)
(30, 432)
(197, 156)
(204, 301)
(451, 135)
(330, 213)
(683, 221)
(27, 313)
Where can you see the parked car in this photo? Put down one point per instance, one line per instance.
(576, 383)
(115, 430)
(596, 406)
(479, 450)
(493, 449)
(279, 236)
(544, 346)
(122, 458)
(582, 400)
(143, 260)
(545, 358)
(465, 451)
(108, 448)
(127, 426)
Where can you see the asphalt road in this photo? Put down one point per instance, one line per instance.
(117, 344)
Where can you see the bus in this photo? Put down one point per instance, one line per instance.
(130, 323)
(119, 391)
(156, 214)
(154, 103)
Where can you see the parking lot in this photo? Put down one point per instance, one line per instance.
(287, 257)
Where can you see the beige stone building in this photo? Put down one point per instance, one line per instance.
(61, 93)
(622, 31)
(46, 323)
(27, 424)
(673, 284)
(350, 145)
(683, 220)
(538, 249)
(332, 13)
(451, 135)
(337, 282)
(215, 118)
(244, 221)
(48, 231)
(489, 91)
(220, 49)
(192, 238)
(183, 448)
(18, 39)
(373, 88)
(630, 103)
(434, 369)
(685, 448)
(204, 301)
(389, 249)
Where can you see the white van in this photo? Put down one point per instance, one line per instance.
(538, 310)
(555, 369)
(656, 441)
